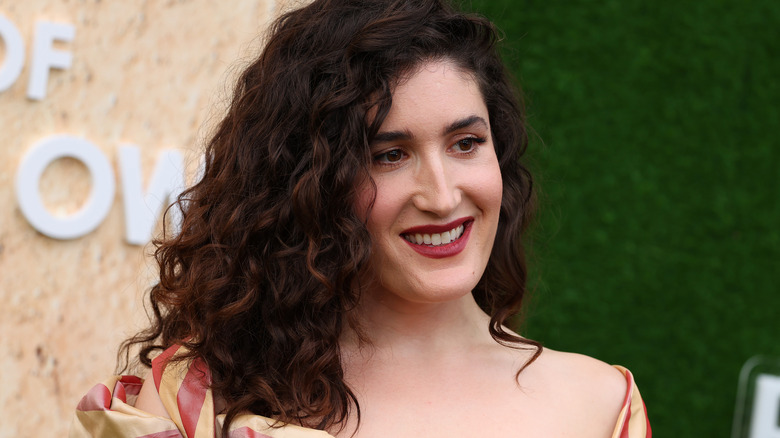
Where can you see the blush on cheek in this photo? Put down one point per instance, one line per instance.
(499, 187)
(488, 186)
(497, 184)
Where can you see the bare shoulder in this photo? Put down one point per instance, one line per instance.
(149, 400)
(584, 368)
(586, 376)
(592, 389)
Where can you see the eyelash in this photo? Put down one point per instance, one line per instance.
(472, 141)
(381, 158)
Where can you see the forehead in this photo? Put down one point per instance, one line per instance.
(445, 65)
(434, 92)
(440, 72)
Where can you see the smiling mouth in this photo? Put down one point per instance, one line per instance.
(436, 239)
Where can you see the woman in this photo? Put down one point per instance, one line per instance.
(348, 261)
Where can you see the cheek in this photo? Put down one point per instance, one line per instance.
(363, 200)
(369, 200)
(497, 187)
(489, 189)
(380, 215)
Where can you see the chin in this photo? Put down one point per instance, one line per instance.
(437, 291)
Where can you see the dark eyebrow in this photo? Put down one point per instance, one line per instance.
(464, 123)
(392, 136)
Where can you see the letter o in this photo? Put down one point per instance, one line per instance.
(95, 208)
(14, 53)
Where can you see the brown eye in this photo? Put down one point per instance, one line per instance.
(468, 145)
(392, 156)
(465, 145)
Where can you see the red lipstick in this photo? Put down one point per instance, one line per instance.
(433, 229)
(441, 251)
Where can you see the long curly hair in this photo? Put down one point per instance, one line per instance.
(260, 281)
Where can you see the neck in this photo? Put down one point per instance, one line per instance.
(407, 328)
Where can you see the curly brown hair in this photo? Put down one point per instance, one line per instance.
(260, 280)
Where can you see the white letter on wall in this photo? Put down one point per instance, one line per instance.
(28, 195)
(14, 53)
(765, 422)
(142, 210)
(45, 57)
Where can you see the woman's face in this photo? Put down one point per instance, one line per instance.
(438, 189)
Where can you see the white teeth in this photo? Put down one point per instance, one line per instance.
(436, 238)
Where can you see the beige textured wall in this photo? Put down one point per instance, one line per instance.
(151, 73)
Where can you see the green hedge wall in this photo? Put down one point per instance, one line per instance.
(656, 151)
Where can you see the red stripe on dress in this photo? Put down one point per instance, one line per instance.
(192, 395)
(119, 391)
(160, 362)
(246, 432)
(626, 422)
(627, 404)
(97, 399)
(132, 384)
(647, 421)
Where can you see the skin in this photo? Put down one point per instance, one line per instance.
(432, 369)
(434, 164)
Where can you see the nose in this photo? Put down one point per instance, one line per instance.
(436, 188)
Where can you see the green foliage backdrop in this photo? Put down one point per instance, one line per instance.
(658, 159)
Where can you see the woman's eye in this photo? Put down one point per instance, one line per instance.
(468, 144)
(392, 156)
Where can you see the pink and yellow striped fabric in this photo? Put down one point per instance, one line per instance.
(107, 409)
(632, 421)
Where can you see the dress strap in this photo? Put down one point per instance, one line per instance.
(632, 421)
